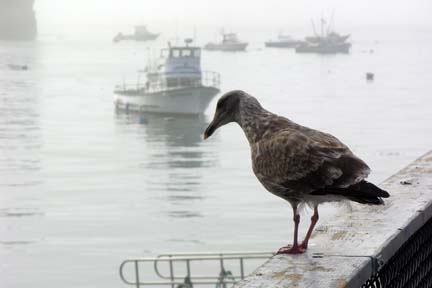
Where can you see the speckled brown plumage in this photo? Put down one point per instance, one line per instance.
(294, 162)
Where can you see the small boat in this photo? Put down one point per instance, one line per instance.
(141, 34)
(230, 42)
(327, 42)
(174, 84)
(283, 41)
(370, 76)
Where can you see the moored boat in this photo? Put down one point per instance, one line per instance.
(328, 42)
(175, 84)
(230, 42)
(141, 34)
(283, 41)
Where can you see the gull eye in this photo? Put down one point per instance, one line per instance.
(221, 103)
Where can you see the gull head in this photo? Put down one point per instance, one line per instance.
(227, 110)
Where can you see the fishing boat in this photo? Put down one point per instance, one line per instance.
(141, 34)
(174, 83)
(230, 42)
(327, 42)
(283, 41)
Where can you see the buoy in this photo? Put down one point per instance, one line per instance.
(370, 76)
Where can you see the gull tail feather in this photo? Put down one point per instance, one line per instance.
(363, 192)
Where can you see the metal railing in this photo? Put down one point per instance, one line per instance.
(410, 266)
(220, 279)
(161, 82)
(210, 79)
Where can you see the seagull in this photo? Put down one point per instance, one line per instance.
(299, 164)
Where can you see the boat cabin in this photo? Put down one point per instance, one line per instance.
(141, 29)
(181, 65)
(181, 52)
(230, 38)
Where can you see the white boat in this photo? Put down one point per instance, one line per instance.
(230, 42)
(141, 34)
(174, 84)
(328, 42)
(283, 41)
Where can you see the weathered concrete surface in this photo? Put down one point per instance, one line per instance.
(347, 248)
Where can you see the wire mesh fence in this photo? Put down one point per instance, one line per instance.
(410, 266)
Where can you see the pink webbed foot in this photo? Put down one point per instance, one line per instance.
(304, 245)
(291, 250)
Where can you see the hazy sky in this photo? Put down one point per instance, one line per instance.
(108, 13)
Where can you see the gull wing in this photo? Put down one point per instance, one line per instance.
(306, 160)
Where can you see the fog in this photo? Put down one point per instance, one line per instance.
(75, 16)
(85, 183)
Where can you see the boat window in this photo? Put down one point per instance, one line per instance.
(197, 53)
(186, 53)
(175, 53)
(164, 53)
(172, 82)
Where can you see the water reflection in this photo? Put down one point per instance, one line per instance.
(182, 138)
(20, 212)
(175, 157)
(20, 129)
(20, 142)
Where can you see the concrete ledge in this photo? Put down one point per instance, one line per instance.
(347, 249)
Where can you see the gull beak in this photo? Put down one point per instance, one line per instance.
(217, 122)
(209, 131)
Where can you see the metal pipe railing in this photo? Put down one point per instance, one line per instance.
(187, 258)
(160, 83)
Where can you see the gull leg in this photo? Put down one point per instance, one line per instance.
(314, 220)
(295, 248)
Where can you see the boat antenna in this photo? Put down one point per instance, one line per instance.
(323, 22)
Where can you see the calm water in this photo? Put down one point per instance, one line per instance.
(82, 188)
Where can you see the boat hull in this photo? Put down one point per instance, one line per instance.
(149, 37)
(229, 47)
(193, 100)
(282, 44)
(324, 49)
